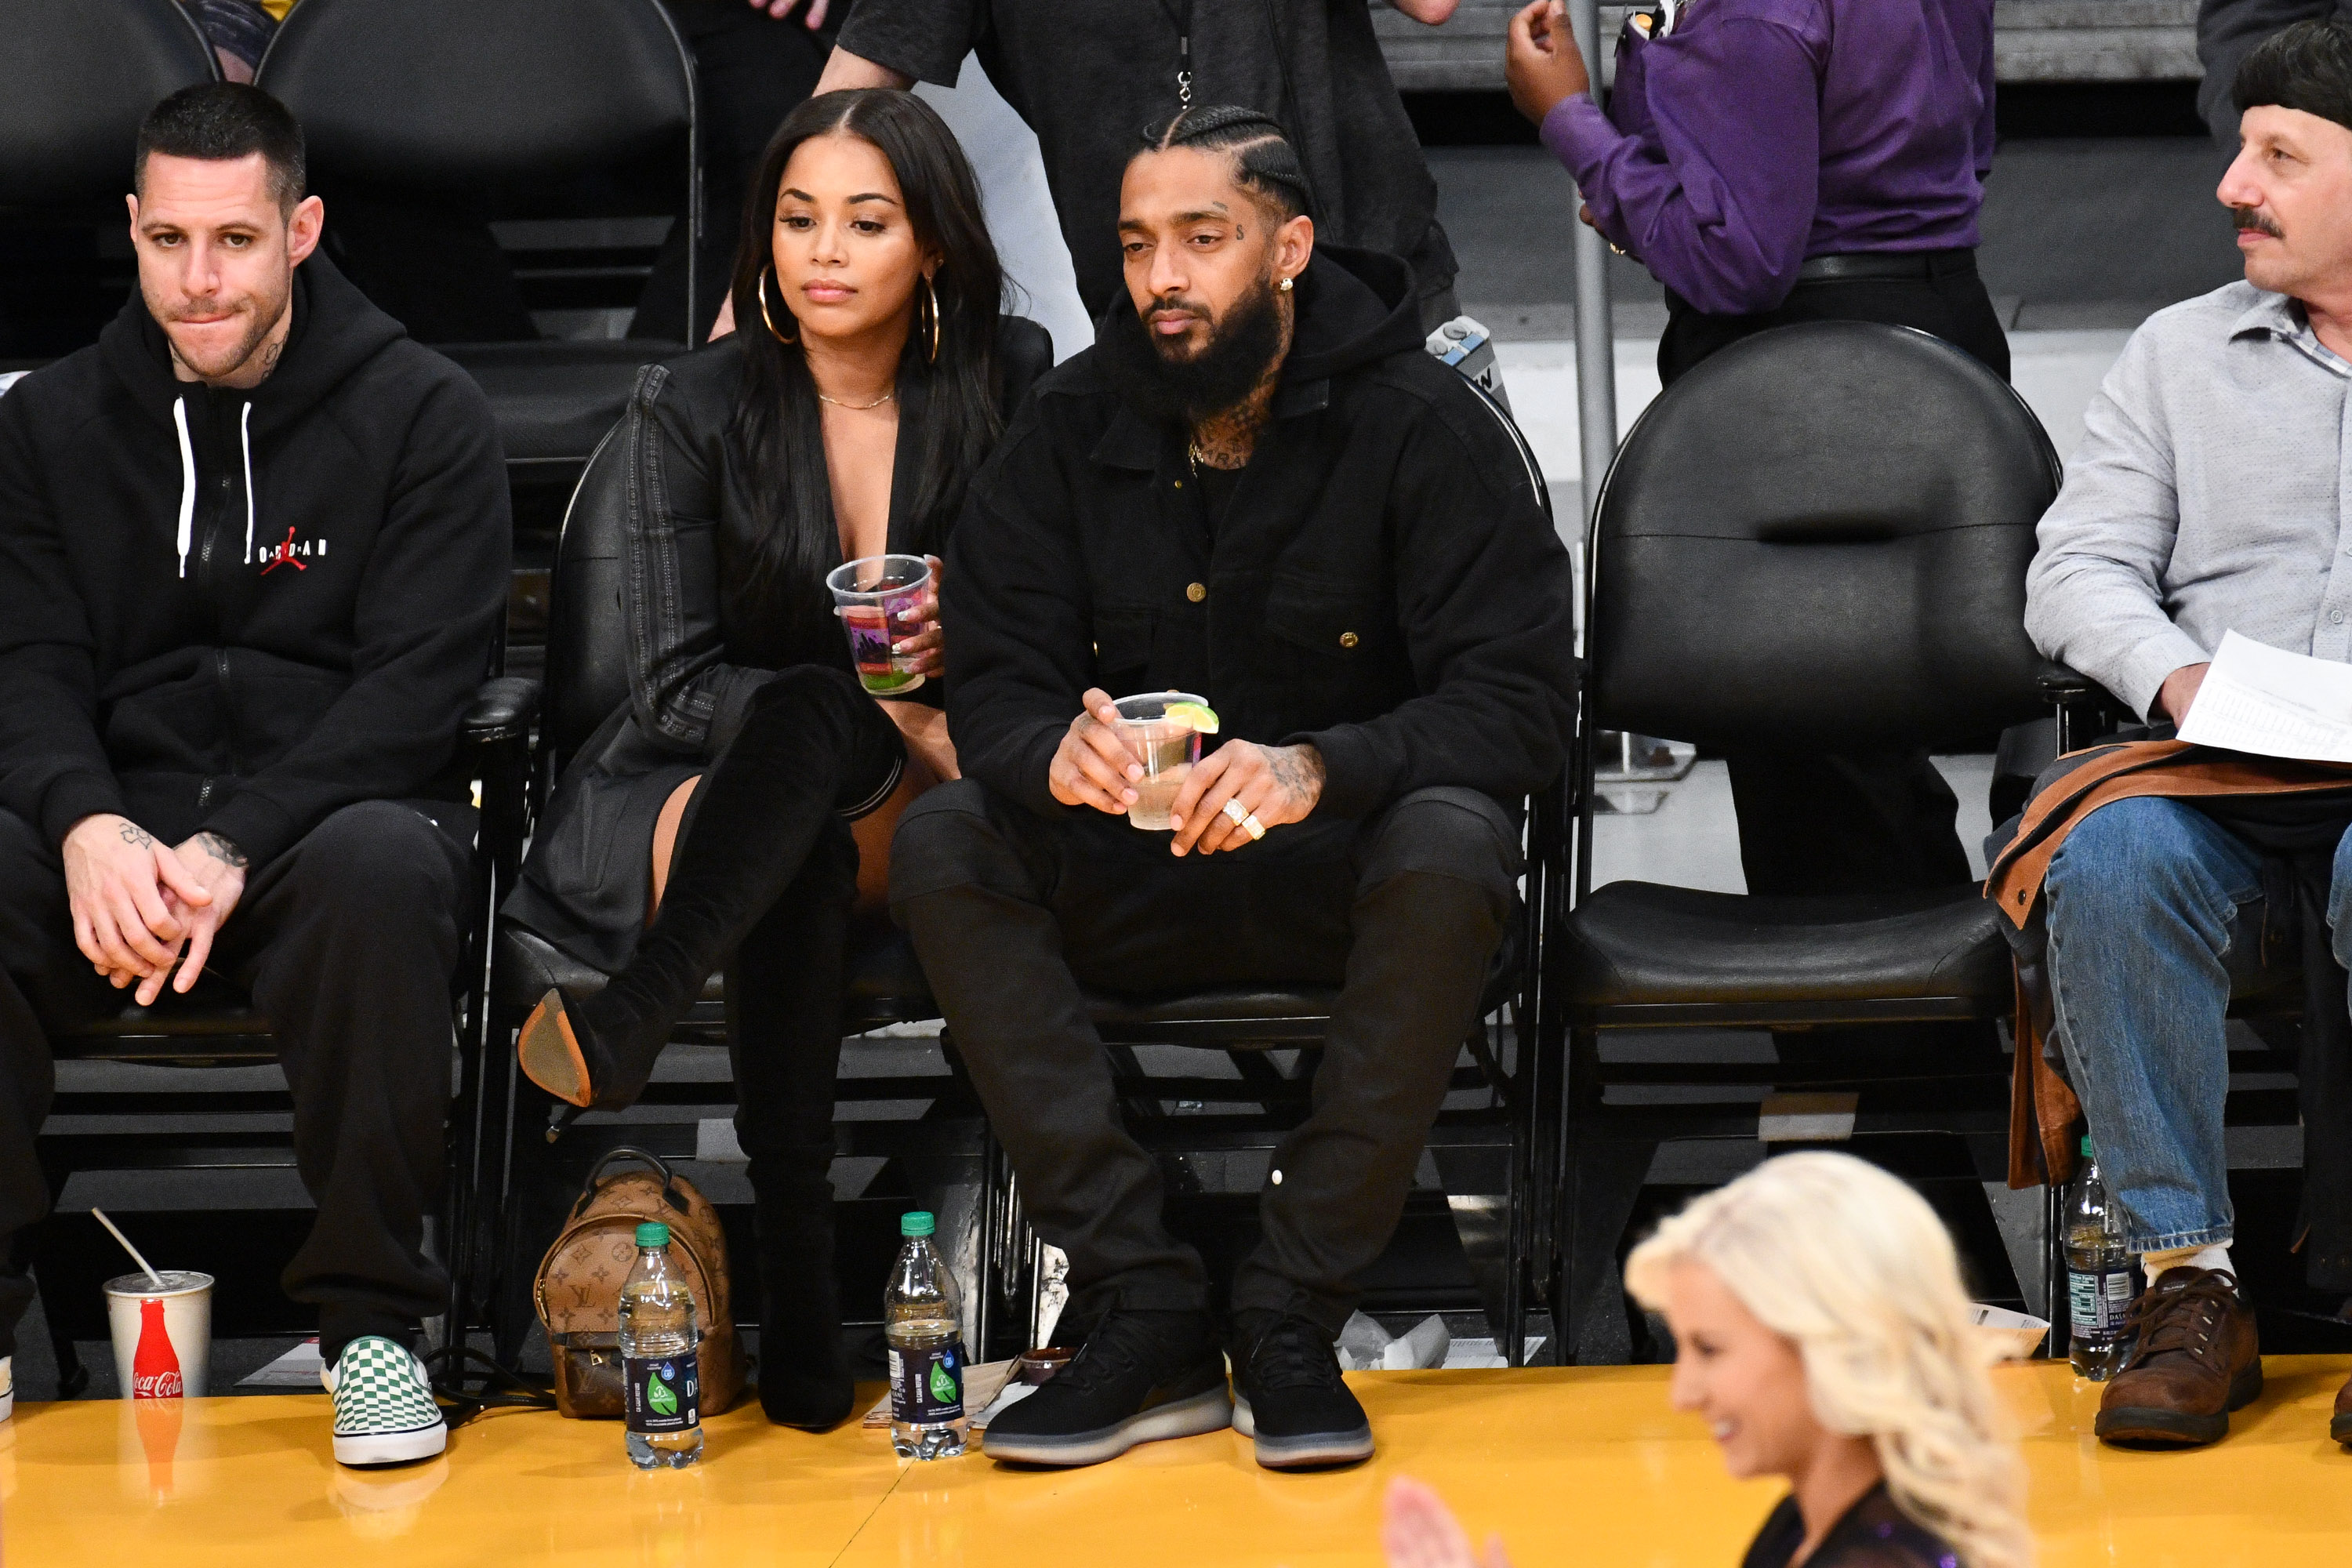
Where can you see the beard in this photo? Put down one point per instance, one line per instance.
(1241, 349)
(212, 359)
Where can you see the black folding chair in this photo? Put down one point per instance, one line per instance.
(75, 81)
(573, 109)
(1816, 540)
(216, 1026)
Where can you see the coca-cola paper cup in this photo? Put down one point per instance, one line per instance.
(162, 1338)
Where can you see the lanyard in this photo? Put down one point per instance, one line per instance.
(1182, 21)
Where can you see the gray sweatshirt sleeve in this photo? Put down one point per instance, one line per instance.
(2095, 597)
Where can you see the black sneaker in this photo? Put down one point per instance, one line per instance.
(1139, 1377)
(1289, 1398)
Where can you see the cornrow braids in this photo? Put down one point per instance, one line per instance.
(1264, 160)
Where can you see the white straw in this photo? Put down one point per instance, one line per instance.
(135, 1256)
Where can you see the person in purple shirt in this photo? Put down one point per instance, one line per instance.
(1778, 161)
(1782, 161)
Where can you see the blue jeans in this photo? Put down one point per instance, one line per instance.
(2155, 917)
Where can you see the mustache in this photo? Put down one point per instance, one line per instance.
(2257, 220)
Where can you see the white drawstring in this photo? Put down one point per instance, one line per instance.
(187, 479)
(245, 434)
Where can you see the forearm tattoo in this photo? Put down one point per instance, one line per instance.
(222, 850)
(136, 836)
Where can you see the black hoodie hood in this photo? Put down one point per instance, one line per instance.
(335, 332)
(241, 610)
(1354, 309)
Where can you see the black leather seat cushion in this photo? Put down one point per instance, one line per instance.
(214, 1021)
(883, 968)
(1641, 944)
(555, 399)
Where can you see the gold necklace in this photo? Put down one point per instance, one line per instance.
(858, 407)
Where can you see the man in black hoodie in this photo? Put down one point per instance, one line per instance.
(1255, 487)
(253, 555)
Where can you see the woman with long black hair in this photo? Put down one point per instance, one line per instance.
(707, 824)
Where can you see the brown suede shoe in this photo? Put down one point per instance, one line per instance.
(2340, 1427)
(2193, 1361)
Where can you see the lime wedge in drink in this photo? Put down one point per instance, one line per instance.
(1201, 717)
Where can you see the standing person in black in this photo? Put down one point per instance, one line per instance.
(1084, 74)
(1256, 487)
(1783, 160)
(707, 824)
(253, 558)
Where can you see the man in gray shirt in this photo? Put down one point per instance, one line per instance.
(2210, 495)
(1088, 76)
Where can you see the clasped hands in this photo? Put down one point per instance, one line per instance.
(1276, 785)
(143, 908)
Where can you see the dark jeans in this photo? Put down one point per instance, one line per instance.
(1866, 820)
(1016, 916)
(348, 942)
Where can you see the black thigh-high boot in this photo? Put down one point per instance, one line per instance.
(784, 1036)
(811, 741)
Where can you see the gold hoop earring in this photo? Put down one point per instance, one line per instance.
(767, 317)
(930, 291)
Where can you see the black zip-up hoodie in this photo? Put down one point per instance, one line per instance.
(1380, 584)
(240, 611)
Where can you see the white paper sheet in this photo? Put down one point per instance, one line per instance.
(2273, 703)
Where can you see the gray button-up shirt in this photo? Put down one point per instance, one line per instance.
(2208, 496)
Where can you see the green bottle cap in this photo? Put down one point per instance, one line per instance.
(917, 1224)
(2086, 1145)
(653, 1233)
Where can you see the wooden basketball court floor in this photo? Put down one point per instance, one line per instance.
(1581, 1466)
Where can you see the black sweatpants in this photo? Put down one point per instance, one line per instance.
(1863, 821)
(349, 943)
(1015, 916)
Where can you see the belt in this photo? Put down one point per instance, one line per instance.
(1875, 266)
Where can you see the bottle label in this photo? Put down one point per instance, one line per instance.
(927, 1386)
(665, 1393)
(2099, 1298)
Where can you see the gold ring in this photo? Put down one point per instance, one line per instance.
(1237, 812)
(1253, 827)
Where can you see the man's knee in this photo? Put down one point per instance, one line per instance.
(2131, 857)
(378, 858)
(950, 838)
(1460, 834)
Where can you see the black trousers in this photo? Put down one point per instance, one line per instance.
(349, 943)
(1016, 916)
(1864, 821)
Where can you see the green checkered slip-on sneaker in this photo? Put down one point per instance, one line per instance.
(384, 1413)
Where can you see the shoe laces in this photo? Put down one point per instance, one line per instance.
(1293, 1354)
(2186, 1317)
(1119, 1344)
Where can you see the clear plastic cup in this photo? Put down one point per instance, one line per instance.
(1166, 747)
(162, 1338)
(877, 598)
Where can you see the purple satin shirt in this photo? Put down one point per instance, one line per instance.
(1759, 133)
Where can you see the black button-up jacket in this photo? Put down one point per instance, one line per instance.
(1383, 584)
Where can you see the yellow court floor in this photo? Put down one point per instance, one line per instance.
(1584, 1466)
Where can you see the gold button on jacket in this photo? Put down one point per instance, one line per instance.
(1196, 592)
(1347, 639)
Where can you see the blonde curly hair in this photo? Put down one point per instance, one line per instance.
(1855, 1267)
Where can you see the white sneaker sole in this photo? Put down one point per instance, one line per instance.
(1210, 1410)
(1305, 1451)
(392, 1447)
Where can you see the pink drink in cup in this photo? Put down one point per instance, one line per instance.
(879, 599)
(1166, 744)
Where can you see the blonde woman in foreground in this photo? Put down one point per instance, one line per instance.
(1821, 1329)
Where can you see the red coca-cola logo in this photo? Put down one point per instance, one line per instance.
(155, 1365)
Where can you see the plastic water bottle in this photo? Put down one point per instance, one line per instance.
(922, 1322)
(2098, 1274)
(661, 1370)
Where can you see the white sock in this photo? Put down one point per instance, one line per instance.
(7, 1386)
(2154, 1264)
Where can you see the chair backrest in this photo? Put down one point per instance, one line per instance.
(428, 95)
(1818, 537)
(76, 78)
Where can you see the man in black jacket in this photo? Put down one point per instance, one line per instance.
(1255, 487)
(253, 554)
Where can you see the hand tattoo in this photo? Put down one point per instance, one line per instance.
(136, 836)
(1297, 770)
(222, 850)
